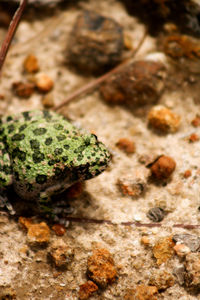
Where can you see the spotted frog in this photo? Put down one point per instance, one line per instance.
(42, 154)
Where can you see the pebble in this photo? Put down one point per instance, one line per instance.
(192, 268)
(181, 250)
(31, 64)
(137, 84)
(163, 249)
(142, 292)
(179, 273)
(87, 289)
(156, 214)
(48, 101)
(126, 145)
(196, 121)
(23, 89)
(132, 186)
(59, 229)
(60, 253)
(163, 167)
(187, 174)
(161, 279)
(44, 83)
(163, 119)
(101, 267)
(191, 241)
(95, 43)
(38, 234)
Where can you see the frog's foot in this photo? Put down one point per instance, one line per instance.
(4, 203)
(57, 211)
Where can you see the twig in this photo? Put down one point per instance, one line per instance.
(11, 31)
(136, 224)
(93, 84)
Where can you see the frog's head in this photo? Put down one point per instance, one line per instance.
(92, 159)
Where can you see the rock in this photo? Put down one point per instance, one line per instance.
(60, 253)
(163, 249)
(38, 234)
(87, 289)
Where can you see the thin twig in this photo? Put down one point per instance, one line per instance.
(94, 83)
(136, 224)
(11, 31)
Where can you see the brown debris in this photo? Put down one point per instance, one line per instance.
(139, 83)
(178, 46)
(187, 173)
(142, 292)
(48, 101)
(101, 268)
(87, 289)
(196, 121)
(163, 167)
(23, 89)
(60, 253)
(38, 234)
(126, 145)
(31, 64)
(163, 119)
(163, 249)
(161, 279)
(95, 42)
(193, 138)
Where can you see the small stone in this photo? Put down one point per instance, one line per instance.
(191, 241)
(181, 250)
(38, 234)
(196, 121)
(59, 229)
(179, 273)
(95, 43)
(25, 222)
(137, 84)
(162, 167)
(187, 174)
(192, 275)
(31, 64)
(101, 268)
(142, 292)
(87, 289)
(163, 249)
(60, 253)
(161, 279)
(156, 214)
(145, 241)
(126, 145)
(44, 83)
(193, 138)
(133, 187)
(163, 119)
(48, 101)
(23, 89)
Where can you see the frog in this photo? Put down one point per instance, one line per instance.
(42, 154)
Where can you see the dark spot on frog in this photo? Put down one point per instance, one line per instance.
(79, 157)
(1, 130)
(21, 155)
(40, 131)
(22, 127)
(9, 118)
(37, 157)
(11, 128)
(18, 137)
(58, 151)
(35, 144)
(58, 172)
(61, 137)
(16, 174)
(47, 115)
(48, 141)
(26, 115)
(40, 178)
(66, 147)
(65, 158)
(58, 126)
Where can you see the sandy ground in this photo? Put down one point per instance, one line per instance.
(30, 275)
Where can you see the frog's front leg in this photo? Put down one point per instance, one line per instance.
(6, 178)
(53, 209)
